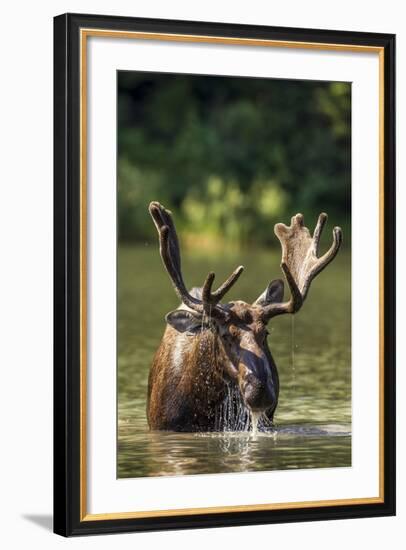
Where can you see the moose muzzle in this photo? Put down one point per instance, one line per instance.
(256, 383)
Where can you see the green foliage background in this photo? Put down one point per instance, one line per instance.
(231, 156)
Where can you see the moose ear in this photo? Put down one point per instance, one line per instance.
(273, 294)
(183, 320)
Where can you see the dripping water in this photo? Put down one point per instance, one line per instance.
(255, 416)
(292, 352)
(232, 415)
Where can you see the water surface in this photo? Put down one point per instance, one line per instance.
(312, 352)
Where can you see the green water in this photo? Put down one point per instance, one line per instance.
(313, 354)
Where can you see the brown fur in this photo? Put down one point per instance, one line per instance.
(183, 396)
(189, 373)
(199, 358)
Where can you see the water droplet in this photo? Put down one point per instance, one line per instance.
(292, 352)
(255, 416)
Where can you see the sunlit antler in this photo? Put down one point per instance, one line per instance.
(170, 254)
(300, 263)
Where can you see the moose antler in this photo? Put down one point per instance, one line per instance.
(300, 263)
(170, 254)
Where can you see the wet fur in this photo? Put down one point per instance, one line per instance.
(188, 383)
(183, 393)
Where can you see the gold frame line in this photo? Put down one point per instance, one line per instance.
(173, 37)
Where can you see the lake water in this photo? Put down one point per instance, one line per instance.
(312, 352)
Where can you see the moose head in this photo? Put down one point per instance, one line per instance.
(239, 328)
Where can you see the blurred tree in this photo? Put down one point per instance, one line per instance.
(231, 155)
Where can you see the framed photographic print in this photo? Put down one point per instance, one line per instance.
(224, 274)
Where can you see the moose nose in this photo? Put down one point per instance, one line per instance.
(258, 395)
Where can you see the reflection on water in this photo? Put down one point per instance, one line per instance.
(167, 453)
(313, 418)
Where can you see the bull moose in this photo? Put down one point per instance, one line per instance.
(213, 370)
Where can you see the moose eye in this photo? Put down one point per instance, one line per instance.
(230, 335)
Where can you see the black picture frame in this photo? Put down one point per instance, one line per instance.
(68, 520)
